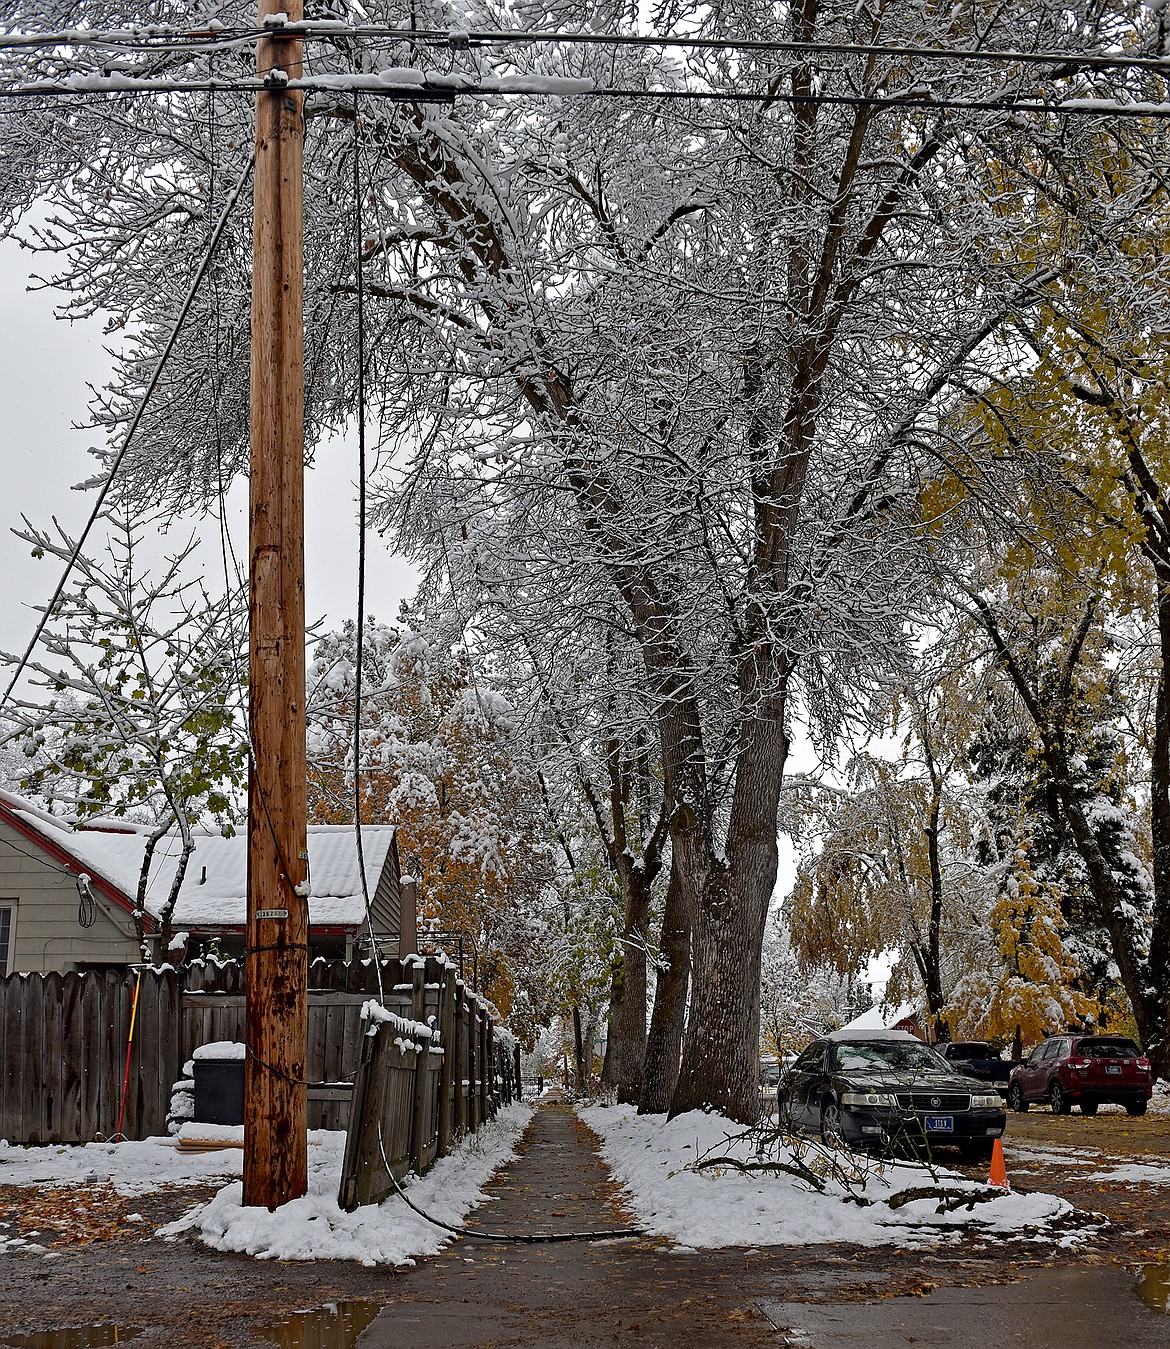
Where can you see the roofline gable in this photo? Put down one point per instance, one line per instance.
(51, 848)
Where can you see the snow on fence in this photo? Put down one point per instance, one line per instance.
(424, 1080)
(64, 1037)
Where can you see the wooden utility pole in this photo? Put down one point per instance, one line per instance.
(275, 1156)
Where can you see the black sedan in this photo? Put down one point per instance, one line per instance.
(887, 1091)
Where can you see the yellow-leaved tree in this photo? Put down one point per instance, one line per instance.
(1028, 985)
(1065, 459)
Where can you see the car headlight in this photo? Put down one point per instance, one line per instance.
(868, 1098)
(986, 1102)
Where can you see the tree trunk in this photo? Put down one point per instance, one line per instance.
(625, 1050)
(722, 1042)
(1156, 1040)
(935, 999)
(152, 842)
(167, 912)
(580, 1071)
(668, 1020)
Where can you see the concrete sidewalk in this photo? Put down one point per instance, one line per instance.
(573, 1293)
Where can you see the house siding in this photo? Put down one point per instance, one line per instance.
(385, 904)
(46, 934)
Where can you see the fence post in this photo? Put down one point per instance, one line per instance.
(472, 1063)
(459, 1060)
(357, 1144)
(447, 1016)
(485, 1066)
(421, 1068)
(519, 1083)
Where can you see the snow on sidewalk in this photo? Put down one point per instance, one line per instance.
(650, 1156)
(310, 1228)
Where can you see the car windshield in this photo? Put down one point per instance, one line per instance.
(974, 1050)
(1108, 1049)
(902, 1056)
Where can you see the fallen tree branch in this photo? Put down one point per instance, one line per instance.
(951, 1199)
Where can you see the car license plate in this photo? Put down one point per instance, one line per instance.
(1113, 1067)
(940, 1124)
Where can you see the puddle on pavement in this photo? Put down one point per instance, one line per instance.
(336, 1325)
(1153, 1286)
(72, 1337)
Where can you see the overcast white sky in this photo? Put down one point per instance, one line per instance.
(45, 368)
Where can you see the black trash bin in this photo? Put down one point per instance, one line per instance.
(219, 1084)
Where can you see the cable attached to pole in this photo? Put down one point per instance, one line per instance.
(359, 640)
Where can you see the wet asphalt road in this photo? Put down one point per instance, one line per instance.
(1080, 1307)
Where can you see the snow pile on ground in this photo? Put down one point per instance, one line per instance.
(132, 1168)
(1036, 1156)
(314, 1228)
(311, 1228)
(1135, 1173)
(723, 1207)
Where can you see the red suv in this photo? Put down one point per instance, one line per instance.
(1084, 1070)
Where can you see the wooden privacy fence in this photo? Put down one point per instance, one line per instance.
(426, 1077)
(63, 1042)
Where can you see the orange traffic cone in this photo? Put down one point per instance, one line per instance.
(998, 1176)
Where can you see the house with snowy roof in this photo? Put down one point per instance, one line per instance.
(67, 891)
(881, 1017)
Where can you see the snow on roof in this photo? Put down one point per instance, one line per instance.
(29, 808)
(881, 1018)
(854, 1033)
(214, 889)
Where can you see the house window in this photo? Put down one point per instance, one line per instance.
(7, 916)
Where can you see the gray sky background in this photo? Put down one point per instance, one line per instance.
(46, 367)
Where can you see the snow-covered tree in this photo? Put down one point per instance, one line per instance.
(799, 1002)
(1063, 461)
(1029, 983)
(888, 858)
(1068, 771)
(662, 368)
(602, 787)
(132, 705)
(438, 757)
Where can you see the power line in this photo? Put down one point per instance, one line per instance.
(86, 86)
(213, 38)
(521, 86)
